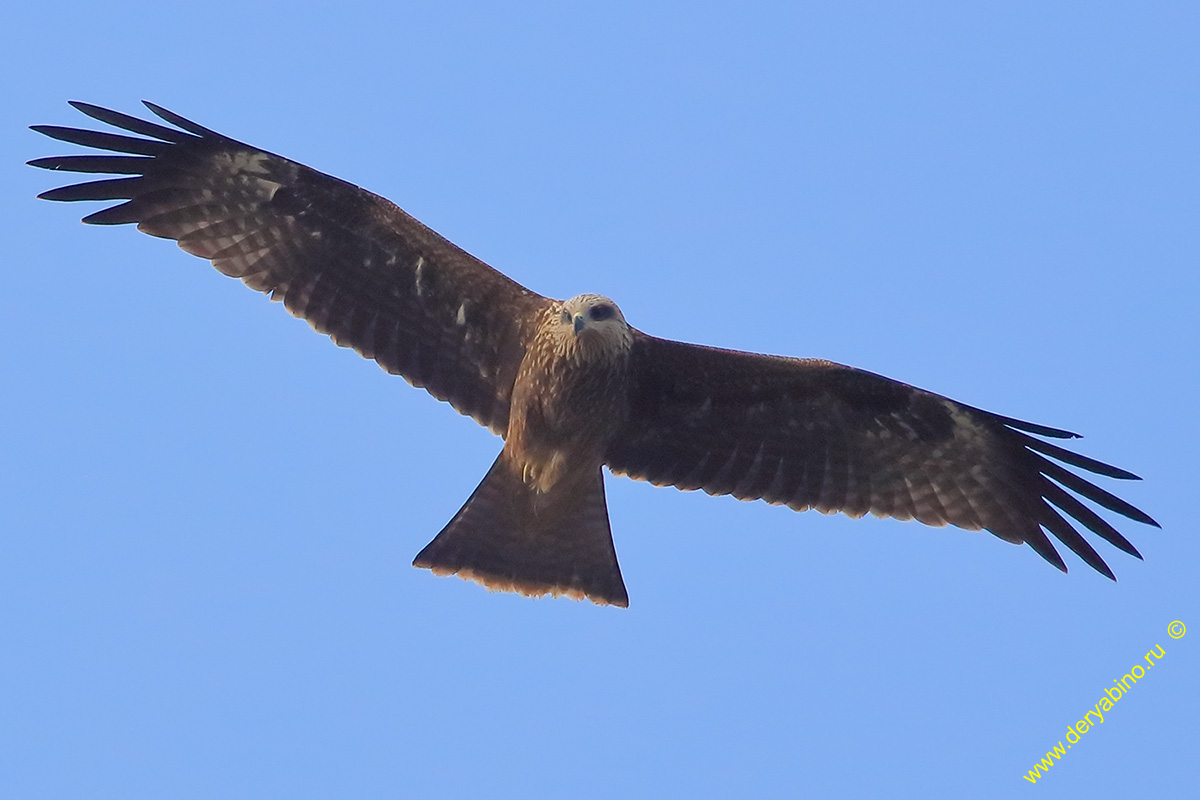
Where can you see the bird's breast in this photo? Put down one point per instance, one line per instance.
(564, 412)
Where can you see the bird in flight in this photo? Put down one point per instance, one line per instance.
(570, 385)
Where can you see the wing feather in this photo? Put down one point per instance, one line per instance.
(814, 434)
(115, 165)
(352, 264)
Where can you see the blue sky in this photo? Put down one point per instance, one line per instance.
(208, 512)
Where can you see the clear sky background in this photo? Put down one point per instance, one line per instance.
(207, 512)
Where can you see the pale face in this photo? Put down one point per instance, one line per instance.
(592, 314)
(593, 322)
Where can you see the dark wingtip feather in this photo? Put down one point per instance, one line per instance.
(121, 214)
(110, 189)
(181, 122)
(1033, 427)
(102, 141)
(114, 164)
(1041, 545)
(1077, 460)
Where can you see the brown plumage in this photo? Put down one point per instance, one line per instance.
(570, 385)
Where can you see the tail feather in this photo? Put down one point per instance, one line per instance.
(510, 537)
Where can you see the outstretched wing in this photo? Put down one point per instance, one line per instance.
(351, 263)
(814, 434)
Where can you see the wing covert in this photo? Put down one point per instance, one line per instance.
(351, 263)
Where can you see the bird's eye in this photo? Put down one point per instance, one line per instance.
(599, 313)
(566, 317)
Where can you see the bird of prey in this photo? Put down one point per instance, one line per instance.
(570, 385)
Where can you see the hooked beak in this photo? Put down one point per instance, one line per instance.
(580, 322)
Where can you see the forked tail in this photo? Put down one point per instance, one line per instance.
(512, 538)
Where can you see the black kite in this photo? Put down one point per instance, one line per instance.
(570, 385)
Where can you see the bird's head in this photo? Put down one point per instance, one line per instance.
(593, 325)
